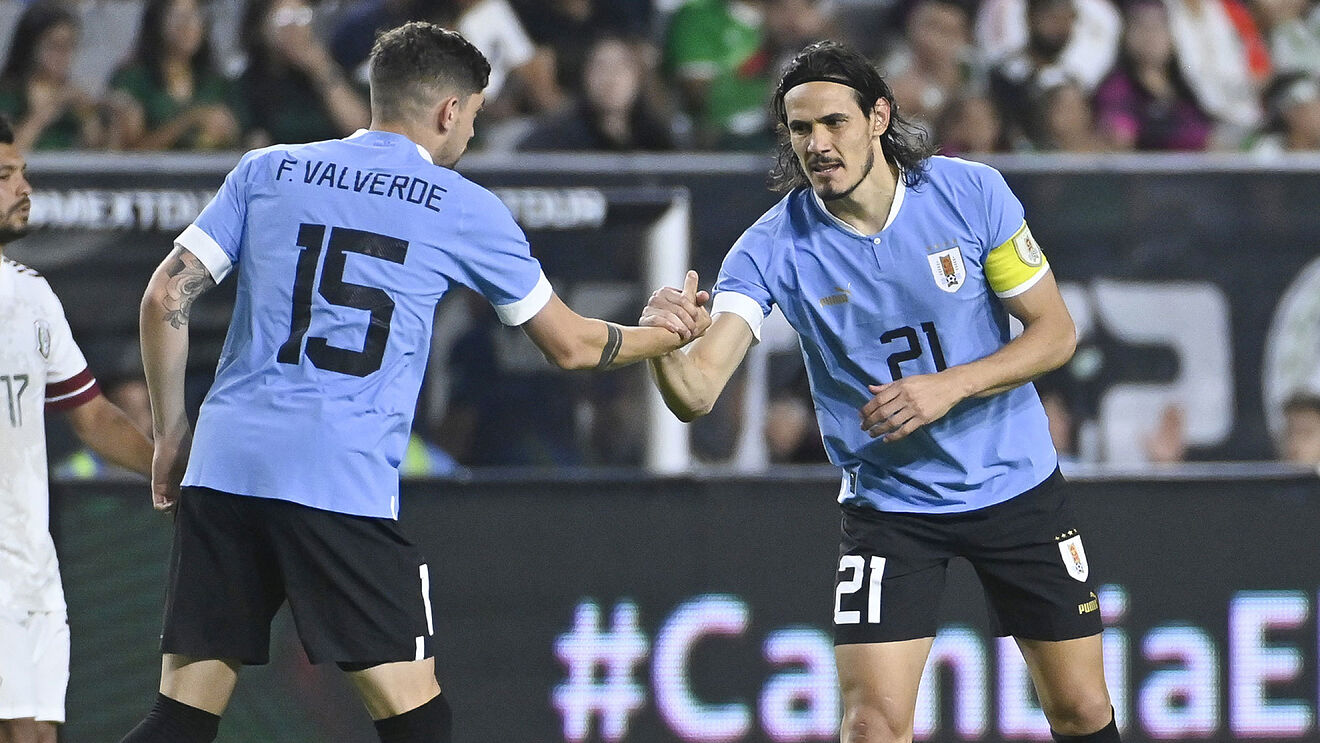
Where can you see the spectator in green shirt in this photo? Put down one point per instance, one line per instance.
(177, 97)
(36, 85)
(714, 53)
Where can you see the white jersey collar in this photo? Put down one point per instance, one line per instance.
(900, 190)
(420, 150)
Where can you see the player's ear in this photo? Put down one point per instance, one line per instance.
(446, 114)
(880, 114)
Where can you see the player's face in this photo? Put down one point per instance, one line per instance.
(463, 128)
(15, 191)
(834, 140)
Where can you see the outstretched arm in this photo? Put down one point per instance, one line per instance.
(571, 341)
(691, 379)
(1046, 343)
(163, 321)
(103, 427)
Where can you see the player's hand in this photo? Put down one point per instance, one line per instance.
(168, 462)
(899, 408)
(683, 312)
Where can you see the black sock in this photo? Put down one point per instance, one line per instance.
(172, 721)
(429, 723)
(1106, 734)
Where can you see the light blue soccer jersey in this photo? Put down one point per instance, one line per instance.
(342, 250)
(912, 299)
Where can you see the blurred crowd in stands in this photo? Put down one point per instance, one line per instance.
(982, 76)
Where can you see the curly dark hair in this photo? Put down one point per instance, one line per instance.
(903, 143)
(418, 58)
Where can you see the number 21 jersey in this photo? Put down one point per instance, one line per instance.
(921, 295)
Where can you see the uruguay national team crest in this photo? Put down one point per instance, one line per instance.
(43, 338)
(947, 267)
(1074, 558)
(1027, 250)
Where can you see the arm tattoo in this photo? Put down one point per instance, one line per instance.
(188, 280)
(613, 342)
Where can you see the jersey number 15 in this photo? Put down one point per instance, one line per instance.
(336, 291)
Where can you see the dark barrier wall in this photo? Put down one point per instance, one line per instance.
(1194, 281)
(699, 609)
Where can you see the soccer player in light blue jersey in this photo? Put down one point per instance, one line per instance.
(899, 270)
(290, 487)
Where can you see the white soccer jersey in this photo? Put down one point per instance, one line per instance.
(40, 367)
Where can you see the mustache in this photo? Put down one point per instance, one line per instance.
(25, 202)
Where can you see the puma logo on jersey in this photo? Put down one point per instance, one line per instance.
(840, 298)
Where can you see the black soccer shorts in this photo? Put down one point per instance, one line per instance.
(1027, 552)
(358, 589)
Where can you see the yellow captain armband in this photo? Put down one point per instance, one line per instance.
(1015, 266)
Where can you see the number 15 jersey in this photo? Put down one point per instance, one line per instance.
(342, 250)
(915, 298)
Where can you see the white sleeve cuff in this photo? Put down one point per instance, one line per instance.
(517, 313)
(1020, 288)
(208, 251)
(743, 306)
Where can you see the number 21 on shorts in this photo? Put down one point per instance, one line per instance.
(855, 565)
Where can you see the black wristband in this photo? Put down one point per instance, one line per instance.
(613, 342)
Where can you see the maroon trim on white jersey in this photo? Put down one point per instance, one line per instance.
(72, 392)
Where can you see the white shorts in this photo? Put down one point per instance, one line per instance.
(34, 664)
